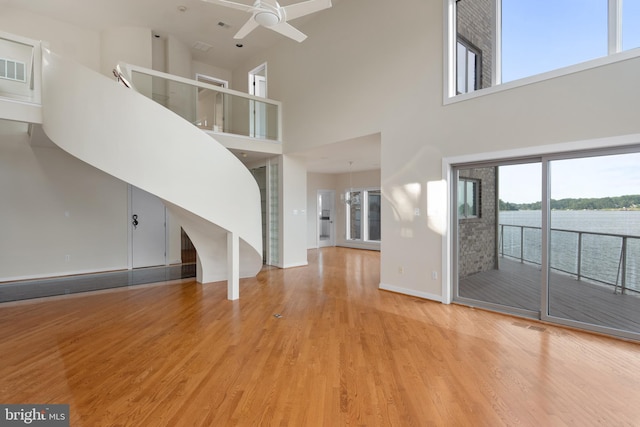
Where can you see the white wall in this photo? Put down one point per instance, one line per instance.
(72, 42)
(294, 216)
(61, 215)
(211, 71)
(342, 83)
(132, 45)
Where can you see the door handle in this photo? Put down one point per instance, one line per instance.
(134, 221)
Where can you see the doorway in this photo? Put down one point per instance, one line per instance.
(326, 218)
(147, 225)
(555, 238)
(211, 105)
(258, 110)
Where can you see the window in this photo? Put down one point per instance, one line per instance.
(468, 198)
(522, 38)
(363, 214)
(12, 70)
(468, 72)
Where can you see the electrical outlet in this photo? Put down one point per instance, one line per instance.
(434, 275)
(401, 270)
(67, 258)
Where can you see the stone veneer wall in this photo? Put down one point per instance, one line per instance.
(477, 236)
(475, 22)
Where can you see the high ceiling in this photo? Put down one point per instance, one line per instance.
(192, 21)
(199, 22)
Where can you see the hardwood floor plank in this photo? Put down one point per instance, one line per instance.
(342, 353)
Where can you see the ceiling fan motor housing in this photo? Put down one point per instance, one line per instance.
(267, 18)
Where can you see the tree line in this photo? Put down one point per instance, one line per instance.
(618, 202)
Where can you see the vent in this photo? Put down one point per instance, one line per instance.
(224, 25)
(204, 47)
(13, 70)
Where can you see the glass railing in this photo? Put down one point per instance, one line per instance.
(208, 107)
(605, 258)
(19, 63)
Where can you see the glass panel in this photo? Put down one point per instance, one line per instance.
(471, 71)
(208, 108)
(374, 215)
(499, 261)
(461, 67)
(543, 35)
(461, 198)
(630, 24)
(274, 202)
(470, 199)
(14, 69)
(355, 215)
(594, 244)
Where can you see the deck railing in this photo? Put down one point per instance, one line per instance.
(606, 258)
(211, 108)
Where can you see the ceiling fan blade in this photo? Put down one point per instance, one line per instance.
(305, 8)
(249, 26)
(231, 4)
(289, 31)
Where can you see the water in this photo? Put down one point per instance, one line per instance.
(599, 257)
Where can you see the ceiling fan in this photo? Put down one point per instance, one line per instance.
(269, 14)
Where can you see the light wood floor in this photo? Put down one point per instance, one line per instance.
(342, 353)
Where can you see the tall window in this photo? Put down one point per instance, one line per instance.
(363, 214)
(522, 38)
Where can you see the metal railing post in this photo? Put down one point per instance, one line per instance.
(624, 266)
(579, 255)
(521, 244)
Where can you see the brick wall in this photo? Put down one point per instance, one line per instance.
(477, 236)
(475, 20)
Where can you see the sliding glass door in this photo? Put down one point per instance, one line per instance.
(556, 238)
(498, 236)
(594, 241)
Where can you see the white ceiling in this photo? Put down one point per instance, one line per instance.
(199, 22)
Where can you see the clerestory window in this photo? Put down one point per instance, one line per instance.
(523, 38)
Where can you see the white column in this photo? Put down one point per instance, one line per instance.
(233, 266)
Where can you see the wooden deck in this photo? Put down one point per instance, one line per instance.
(517, 285)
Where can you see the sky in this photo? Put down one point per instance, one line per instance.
(574, 31)
(589, 177)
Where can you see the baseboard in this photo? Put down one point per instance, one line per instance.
(411, 292)
(301, 264)
(61, 274)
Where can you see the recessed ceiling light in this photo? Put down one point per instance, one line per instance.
(239, 45)
(182, 8)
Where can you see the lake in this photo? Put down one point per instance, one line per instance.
(593, 256)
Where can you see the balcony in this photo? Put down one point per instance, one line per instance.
(237, 120)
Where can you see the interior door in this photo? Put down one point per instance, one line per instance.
(148, 229)
(326, 214)
(258, 87)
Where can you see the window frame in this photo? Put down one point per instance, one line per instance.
(364, 214)
(477, 188)
(614, 43)
(469, 47)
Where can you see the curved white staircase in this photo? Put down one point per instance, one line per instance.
(129, 136)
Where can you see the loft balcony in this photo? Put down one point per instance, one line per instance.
(239, 121)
